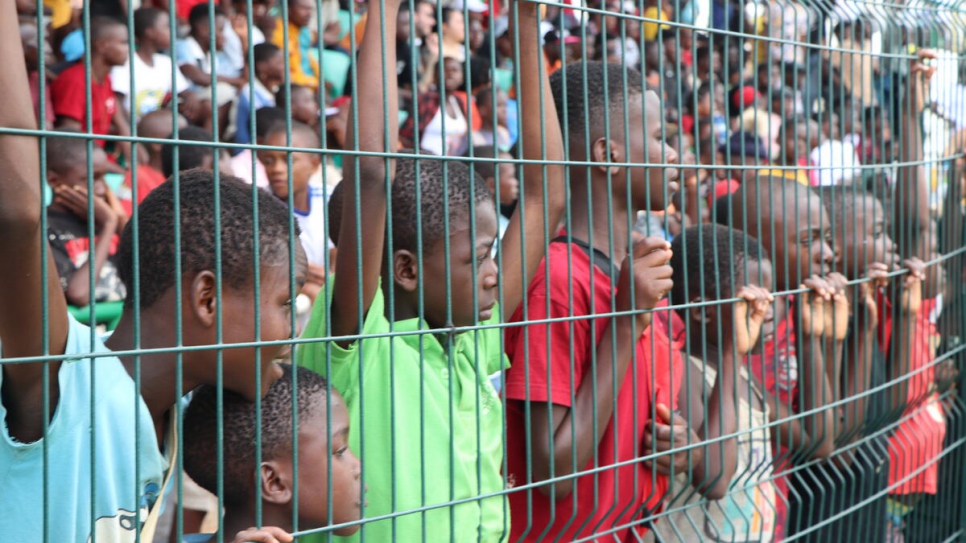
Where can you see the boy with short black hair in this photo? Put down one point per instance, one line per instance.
(152, 66)
(119, 436)
(205, 68)
(423, 404)
(322, 439)
(730, 496)
(303, 102)
(590, 386)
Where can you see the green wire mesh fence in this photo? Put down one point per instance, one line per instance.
(512, 270)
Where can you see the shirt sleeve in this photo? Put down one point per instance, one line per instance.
(187, 54)
(67, 94)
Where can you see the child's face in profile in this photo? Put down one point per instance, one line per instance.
(318, 445)
(304, 165)
(473, 271)
(864, 238)
(305, 108)
(648, 188)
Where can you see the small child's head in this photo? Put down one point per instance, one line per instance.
(305, 105)
(189, 156)
(203, 304)
(318, 445)
(586, 117)
(744, 149)
(269, 64)
(484, 104)
(861, 229)
(159, 124)
(152, 26)
(472, 269)
(705, 106)
(304, 165)
(109, 40)
(199, 20)
(300, 12)
(66, 160)
(713, 262)
(265, 119)
(509, 184)
(791, 223)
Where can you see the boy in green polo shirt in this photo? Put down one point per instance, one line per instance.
(430, 424)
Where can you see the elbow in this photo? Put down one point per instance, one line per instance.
(78, 295)
(558, 489)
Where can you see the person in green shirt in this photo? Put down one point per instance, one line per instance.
(429, 422)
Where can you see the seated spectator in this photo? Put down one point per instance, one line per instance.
(195, 59)
(241, 164)
(189, 157)
(743, 149)
(152, 68)
(303, 102)
(731, 495)
(67, 223)
(322, 442)
(108, 49)
(302, 44)
(484, 105)
(260, 93)
(308, 194)
(430, 108)
(32, 50)
(157, 124)
(502, 175)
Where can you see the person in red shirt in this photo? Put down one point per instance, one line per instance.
(582, 393)
(791, 223)
(109, 48)
(156, 125)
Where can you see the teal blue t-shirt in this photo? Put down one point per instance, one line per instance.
(117, 429)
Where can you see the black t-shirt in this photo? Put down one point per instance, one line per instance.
(824, 490)
(70, 245)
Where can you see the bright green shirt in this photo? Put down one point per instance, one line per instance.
(398, 391)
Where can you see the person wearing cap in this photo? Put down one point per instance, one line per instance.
(744, 149)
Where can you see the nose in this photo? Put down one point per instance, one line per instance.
(671, 156)
(489, 274)
(826, 254)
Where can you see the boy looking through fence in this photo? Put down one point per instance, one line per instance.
(319, 446)
(108, 475)
(621, 367)
(429, 420)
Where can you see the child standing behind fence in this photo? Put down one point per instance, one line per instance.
(429, 423)
(580, 394)
(714, 382)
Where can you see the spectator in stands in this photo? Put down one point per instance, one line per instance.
(577, 411)
(67, 223)
(33, 50)
(158, 125)
(490, 116)
(744, 149)
(241, 164)
(303, 102)
(736, 478)
(108, 49)
(423, 21)
(796, 135)
(835, 157)
(269, 77)
(193, 156)
(452, 34)
(790, 220)
(455, 137)
(307, 193)
(322, 443)
(152, 66)
(391, 399)
(302, 44)
(205, 68)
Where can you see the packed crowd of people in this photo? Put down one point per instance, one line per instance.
(669, 284)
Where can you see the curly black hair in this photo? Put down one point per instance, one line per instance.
(239, 418)
(65, 151)
(567, 86)
(707, 259)
(189, 156)
(156, 247)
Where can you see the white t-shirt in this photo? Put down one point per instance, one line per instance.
(456, 131)
(312, 224)
(151, 83)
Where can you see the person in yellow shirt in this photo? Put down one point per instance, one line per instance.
(303, 66)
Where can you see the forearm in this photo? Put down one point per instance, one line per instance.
(912, 198)
(818, 393)
(858, 371)
(900, 356)
(713, 476)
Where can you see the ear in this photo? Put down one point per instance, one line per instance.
(700, 313)
(204, 299)
(276, 483)
(491, 184)
(405, 270)
(605, 150)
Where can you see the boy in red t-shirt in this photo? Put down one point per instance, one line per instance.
(109, 48)
(791, 224)
(582, 393)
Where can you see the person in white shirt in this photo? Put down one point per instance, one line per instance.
(154, 79)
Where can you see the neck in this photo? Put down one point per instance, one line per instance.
(158, 372)
(237, 520)
(146, 51)
(582, 213)
(154, 160)
(708, 352)
(99, 68)
(300, 200)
